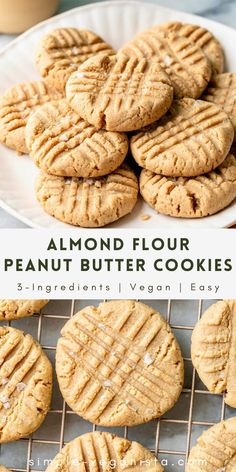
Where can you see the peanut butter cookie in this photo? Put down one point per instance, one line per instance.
(104, 451)
(214, 349)
(119, 93)
(119, 364)
(16, 106)
(88, 202)
(25, 384)
(222, 91)
(215, 450)
(200, 36)
(61, 143)
(61, 51)
(15, 309)
(193, 138)
(191, 197)
(184, 62)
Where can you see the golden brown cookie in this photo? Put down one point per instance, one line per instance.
(16, 106)
(200, 36)
(25, 384)
(15, 309)
(215, 450)
(61, 143)
(222, 91)
(191, 197)
(104, 452)
(119, 93)
(3, 469)
(183, 61)
(214, 349)
(193, 138)
(61, 51)
(88, 202)
(119, 364)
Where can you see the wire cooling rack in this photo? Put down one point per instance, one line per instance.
(170, 438)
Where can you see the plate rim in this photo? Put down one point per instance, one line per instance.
(103, 4)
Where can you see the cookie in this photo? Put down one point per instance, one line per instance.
(215, 450)
(119, 364)
(25, 384)
(200, 36)
(213, 349)
(61, 51)
(104, 451)
(191, 197)
(119, 93)
(183, 61)
(222, 91)
(88, 202)
(61, 143)
(3, 469)
(16, 106)
(193, 138)
(15, 309)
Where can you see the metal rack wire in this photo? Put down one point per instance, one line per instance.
(170, 437)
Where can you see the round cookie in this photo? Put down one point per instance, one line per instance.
(25, 384)
(88, 202)
(191, 197)
(184, 62)
(193, 138)
(213, 349)
(16, 106)
(105, 452)
(61, 51)
(222, 91)
(119, 364)
(215, 450)
(119, 93)
(200, 36)
(3, 469)
(61, 143)
(15, 309)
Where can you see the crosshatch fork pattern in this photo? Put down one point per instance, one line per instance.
(170, 438)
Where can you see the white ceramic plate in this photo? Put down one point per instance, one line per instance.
(117, 22)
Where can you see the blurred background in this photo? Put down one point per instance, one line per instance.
(220, 10)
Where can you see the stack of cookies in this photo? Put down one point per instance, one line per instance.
(73, 124)
(188, 170)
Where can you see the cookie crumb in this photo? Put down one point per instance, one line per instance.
(147, 359)
(145, 217)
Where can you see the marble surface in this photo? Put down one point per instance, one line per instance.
(223, 11)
